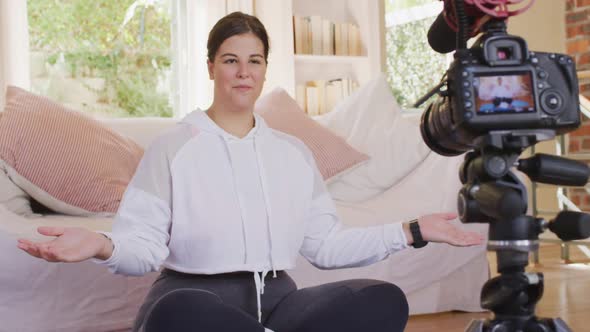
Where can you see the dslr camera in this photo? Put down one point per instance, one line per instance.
(498, 84)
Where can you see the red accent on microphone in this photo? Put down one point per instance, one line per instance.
(442, 35)
(502, 10)
(482, 10)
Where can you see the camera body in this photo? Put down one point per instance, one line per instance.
(499, 85)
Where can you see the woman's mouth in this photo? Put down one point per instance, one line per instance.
(242, 88)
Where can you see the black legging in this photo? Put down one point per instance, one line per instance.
(182, 303)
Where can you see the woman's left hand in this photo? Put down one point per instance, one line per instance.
(437, 227)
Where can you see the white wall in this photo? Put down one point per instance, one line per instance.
(276, 15)
(543, 26)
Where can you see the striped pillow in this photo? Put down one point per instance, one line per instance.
(332, 154)
(64, 159)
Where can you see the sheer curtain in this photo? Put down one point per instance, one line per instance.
(14, 46)
(192, 20)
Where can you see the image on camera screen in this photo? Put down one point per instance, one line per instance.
(504, 94)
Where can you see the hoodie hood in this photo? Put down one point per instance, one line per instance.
(202, 121)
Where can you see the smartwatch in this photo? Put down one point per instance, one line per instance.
(416, 234)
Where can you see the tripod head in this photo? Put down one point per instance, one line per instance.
(493, 194)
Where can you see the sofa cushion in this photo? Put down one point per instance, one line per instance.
(64, 159)
(141, 130)
(332, 154)
(12, 197)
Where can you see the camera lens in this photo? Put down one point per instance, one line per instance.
(438, 130)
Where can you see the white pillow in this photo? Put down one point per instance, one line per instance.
(370, 120)
(13, 198)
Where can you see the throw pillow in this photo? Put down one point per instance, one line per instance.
(370, 120)
(64, 159)
(332, 154)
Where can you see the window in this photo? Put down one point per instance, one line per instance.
(413, 68)
(110, 58)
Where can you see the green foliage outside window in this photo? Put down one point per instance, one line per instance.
(413, 68)
(124, 42)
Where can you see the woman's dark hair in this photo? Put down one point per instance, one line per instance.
(236, 23)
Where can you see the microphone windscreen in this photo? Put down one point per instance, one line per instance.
(441, 37)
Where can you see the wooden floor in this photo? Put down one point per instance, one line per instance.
(567, 295)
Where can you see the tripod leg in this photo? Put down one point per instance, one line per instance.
(476, 325)
(560, 325)
(565, 252)
(555, 324)
(545, 324)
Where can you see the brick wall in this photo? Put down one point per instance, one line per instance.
(578, 46)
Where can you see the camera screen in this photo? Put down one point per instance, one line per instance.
(504, 94)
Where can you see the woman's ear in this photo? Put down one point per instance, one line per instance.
(210, 68)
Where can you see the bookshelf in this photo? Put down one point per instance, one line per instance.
(355, 32)
(288, 69)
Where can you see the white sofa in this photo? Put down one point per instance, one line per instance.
(41, 296)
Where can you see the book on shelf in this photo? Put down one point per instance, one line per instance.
(298, 34)
(300, 96)
(321, 96)
(316, 35)
(319, 36)
(312, 100)
(354, 40)
(343, 50)
(327, 37)
(301, 34)
(337, 39)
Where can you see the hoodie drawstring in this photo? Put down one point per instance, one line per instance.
(266, 205)
(259, 282)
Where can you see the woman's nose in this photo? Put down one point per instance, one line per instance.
(243, 71)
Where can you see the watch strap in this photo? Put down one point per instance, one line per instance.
(417, 234)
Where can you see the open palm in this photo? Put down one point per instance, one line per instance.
(73, 244)
(438, 228)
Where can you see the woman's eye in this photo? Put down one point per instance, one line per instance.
(257, 62)
(230, 61)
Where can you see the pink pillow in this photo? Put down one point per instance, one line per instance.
(332, 154)
(64, 159)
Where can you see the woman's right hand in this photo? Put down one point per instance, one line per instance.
(73, 244)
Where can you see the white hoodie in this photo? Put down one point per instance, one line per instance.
(204, 201)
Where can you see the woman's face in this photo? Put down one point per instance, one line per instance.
(238, 71)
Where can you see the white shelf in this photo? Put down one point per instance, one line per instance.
(330, 59)
(328, 67)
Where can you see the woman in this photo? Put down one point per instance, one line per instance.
(222, 199)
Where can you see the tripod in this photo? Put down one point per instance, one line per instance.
(493, 194)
